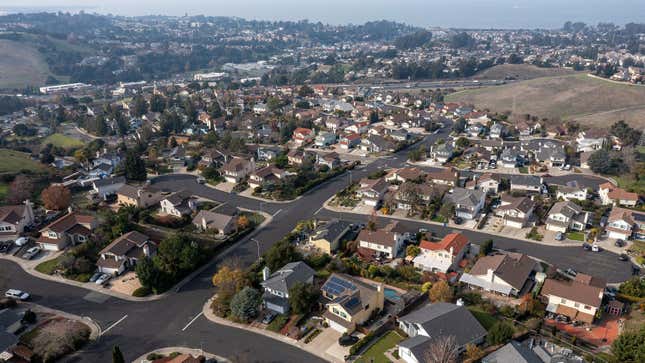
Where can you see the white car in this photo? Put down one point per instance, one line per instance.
(103, 279)
(595, 248)
(31, 253)
(16, 294)
(22, 241)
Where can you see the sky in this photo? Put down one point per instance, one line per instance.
(424, 13)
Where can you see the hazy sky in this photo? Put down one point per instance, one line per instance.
(446, 13)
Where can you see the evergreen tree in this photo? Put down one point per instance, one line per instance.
(135, 167)
(117, 356)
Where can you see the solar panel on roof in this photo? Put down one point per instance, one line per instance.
(353, 302)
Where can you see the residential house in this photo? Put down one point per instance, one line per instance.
(302, 136)
(508, 274)
(572, 191)
(371, 191)
(214, 157)
(349, 141)
(411, 194)
(14, 219)
(444, 176)
(72, 228)
(351, 301)
(334, 124)
(626, 223)
(330, 160)
(510, 158)
(377, 144)
(278, 284)
(442, 152)
(591, 140)
(124, 252)
(179, 204)
(434, 321)
(296, 157)
(107, 187)
(218, 223)
(497, 131)
(565, 216)
(578, 299)
(611, 194)
(526, 183)
(486, 182)
(360, 127)
(237, 169)
(516, 212)
(269, 175)
(468, 203)
(328, 235)
(513, 352)
(380, 243)
(403, 175)
(325, 138)
(443, 256)
(139, 196)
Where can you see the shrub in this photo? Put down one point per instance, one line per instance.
(313, 335)
(499, 333)
(7, 303)
(141, 292)
(29, 317)
(360, 344)
(154, 356)
(278, 323)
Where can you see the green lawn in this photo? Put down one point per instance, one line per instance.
(484, 318)
(48, 267)
(14, 161)
(375, 353)
(4, 189)
(523, 170)
(576, 236)
(63, 141)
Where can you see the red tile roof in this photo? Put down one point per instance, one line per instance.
(455, 240)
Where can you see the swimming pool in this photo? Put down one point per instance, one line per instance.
(391, 294)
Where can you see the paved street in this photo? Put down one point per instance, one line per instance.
(138, 327)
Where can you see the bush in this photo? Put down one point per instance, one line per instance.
(499, 333)
(313, 335)
(278, 323)
(143, 291)
(29, 317)
(360, 344)
(154, 356)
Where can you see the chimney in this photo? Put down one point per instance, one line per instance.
(265, 273)
(146, 250)
(69, 209)
(204, 225)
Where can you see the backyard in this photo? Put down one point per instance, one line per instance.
(484, 318)
(56, 338)
(376, 353)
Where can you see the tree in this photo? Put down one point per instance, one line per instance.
(244, 305)
(499, 333)
(20, 189)
(305, 91)
(440, 291)
(473, 352)
(486, 247)
(633, 287)
(140, 106)
(630, 347)
(462, 142)
(176, 256)
(627, 135)
(412, 250)
(602, 162)
(302, 297)
(229, 278)
(459, 125)
(135, 167)
(117, 356)
(147, 273)
(56, 197)
(447, 210)
(443, 349)
(242, 222)
(280, 254)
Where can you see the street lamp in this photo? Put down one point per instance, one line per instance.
(258, 244)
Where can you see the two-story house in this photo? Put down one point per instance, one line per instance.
(179, 204)
(379, 243)
(486, 182)
(442, 256)
(506, 274)
(268, 175)
(526, 183)
(578, 299)
(104, 188)
(330, 160)
(403, 175)
(571, 191)
(124, 252)
(278, 284)
(302, 136)
(214, 222)
(626, 223)
(468, 202)
(327, 235)
(611, 194)
(325, 138)
(441, 153)
(591, 140)
(444, 176)
(349, 141)
(371, 191)
(350, 301)
(566, 215)
(139, 196)
(515, 211)
(14, 219)
(237, 169)
(72, 228)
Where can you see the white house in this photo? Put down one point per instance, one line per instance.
(124, 252)
(104, 188)
(380, 242)
(178, 204)
(564, 216)
(442, 256)
(505, 274)
(14, 219)
(468, 203)
(579, 299)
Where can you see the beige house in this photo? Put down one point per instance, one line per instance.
(579, 299)
(237, 169)
(327, 236)
(124, 252)
(611, 194)
(14, 219)
(351, 301)
(138, 196)
(72, 228)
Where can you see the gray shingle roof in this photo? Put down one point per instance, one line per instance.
(289, 275)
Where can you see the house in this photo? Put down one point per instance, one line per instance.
(611, 194)
(377, 144)
(626, 223)
(297, 157)
(442, 152)
(325, 138)
(266, 176)
(351, 301)
(486, 182)
(302, 136)
(371, 191)
(516, 212)
(572, 191)
(468, 203)
(591, 140)
(578, 299)
(497, 131)
(179, 204)
(278, 284)
(507, 274)
(327, 236)
(72, 228)
(237, 169)
(358, 127)
(513, 352)
(334, 124)
(213, 157)
(330, 160)
(107, 187)
(547, 151)
(434, 321)
(510, 158)
(442, 256)
(444, 176)
(138, 196)
(221, 224)
(564, 216)
(349, 141)
(380, 243)
(403, 175)
(411, 194)
(14, 219)
(526, 183)
(101, 171)
(124, 252)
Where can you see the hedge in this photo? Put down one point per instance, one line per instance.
(361, 343)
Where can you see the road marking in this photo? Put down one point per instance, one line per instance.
(113, 325)
(192, 321)
(318, 211)
(276, 213)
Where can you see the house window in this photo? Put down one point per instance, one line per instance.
(587, 307)
(51, 234)
(576, 305)
(563, 301)
(81, 238)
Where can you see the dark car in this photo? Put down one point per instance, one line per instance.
(268, 318)
(619, 243)
(623, 257)
(457, 220)
(347, 340)
(586, 246)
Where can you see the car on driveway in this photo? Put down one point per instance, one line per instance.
(571, 272)
(22, 241)
(103, 279)
(268, 317)
(5, 247)
(595, 248)
(347, 340)
(619, 243)
(586, 246)
(96, 276)
(31, 253)
(16, 294)
(559, 236)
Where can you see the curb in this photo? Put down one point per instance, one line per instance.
(183, 350)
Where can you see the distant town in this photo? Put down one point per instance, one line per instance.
(212, 189)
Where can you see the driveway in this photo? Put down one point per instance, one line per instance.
(327, 341)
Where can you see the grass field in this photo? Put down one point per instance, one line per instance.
(520, 72)
(13, 161)
(63, 141)
(4, 188)
(591, 101)
(375, 352)
(484, 318)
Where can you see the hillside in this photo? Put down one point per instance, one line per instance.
(591, 101)
(21, 65)
(520, 72)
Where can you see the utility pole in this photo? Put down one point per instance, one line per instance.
(258, 245)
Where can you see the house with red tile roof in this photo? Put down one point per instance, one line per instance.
(302, 136)
(611, 194)
(442, 256)
(72, 228)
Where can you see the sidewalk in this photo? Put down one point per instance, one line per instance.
(208, 313)
(95, 328)
(183, 350)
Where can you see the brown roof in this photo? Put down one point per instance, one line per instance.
(446, 174)
(124, 244)
(68, 221)
(236, 164)
(11, 213)
(512, 269)
(574, 291)
(381, 237)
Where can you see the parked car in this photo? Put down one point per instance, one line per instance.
(103, 279)
(21, 241)
(31, 253)
(595, 248)
(347, 340)
(571, 272)
(16, 294)
(268, 317)
(586, 246)
(457, 220)
(623, 257)
(619, 243)
(95, 276)
(201, 180)
(559, 236)
(4, 247)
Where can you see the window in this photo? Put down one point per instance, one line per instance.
(563, 301)
(587, 307)
(576, 305)
(51, 234)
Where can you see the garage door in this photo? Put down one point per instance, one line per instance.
(334, 325)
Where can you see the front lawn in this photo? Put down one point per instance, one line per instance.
(278, 323)
(523, 170)
(63, 141)
(375, 352)
(48, 267)
(484, 318)
(576, 236)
